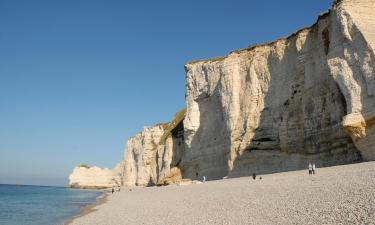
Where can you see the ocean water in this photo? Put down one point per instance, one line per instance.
(38, 205)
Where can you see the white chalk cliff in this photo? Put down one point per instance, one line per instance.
(271, 107)
(151, 155)
(95, 177)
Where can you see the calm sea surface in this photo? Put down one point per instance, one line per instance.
(37, 205)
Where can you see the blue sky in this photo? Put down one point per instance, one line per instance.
(78, 78)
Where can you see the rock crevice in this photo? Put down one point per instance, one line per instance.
(270, 108)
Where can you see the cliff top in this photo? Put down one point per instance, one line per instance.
(254, 46)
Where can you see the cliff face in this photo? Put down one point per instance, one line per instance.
(150, 155)
(274, 107)
(95, 177)
(271, 107)
(140, 157)
(352, 66)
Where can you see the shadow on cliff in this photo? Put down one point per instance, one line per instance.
(303, 125)
(211, 141)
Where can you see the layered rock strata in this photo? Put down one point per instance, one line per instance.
(351, 60)
(150, 155)
(272, 107)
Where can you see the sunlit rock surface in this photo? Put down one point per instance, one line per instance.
(151, 154)
(269, 108)
(95, 177)
(277, 106)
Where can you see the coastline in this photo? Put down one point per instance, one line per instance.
(339, 194)
(103, 198)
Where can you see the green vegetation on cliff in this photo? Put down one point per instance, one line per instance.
(179, 116)
(84, 165)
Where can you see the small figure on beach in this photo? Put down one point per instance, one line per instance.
(254, 176)
(204, 178)
(310, 168)
(313, 168)
(113, 190)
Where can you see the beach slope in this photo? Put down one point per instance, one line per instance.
(341, 194)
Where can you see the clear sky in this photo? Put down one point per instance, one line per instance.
(79, 77)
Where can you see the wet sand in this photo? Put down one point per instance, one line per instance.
(89, 208)
(335, 195)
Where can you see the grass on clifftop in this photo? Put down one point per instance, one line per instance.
(84, 165)
(215, 59)
(179, 116)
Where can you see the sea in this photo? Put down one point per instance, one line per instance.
(41, 205)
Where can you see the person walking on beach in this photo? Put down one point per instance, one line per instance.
(313, 168)
(310, 168)
(113, 190)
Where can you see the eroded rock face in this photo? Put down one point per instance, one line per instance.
(274, 107)
(151, 157)
(270, 108)
(147, 160)
(95, 177)
(174, 177)
(140, 157)
(352, 65)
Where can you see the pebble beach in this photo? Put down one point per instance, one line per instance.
(335, 195)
